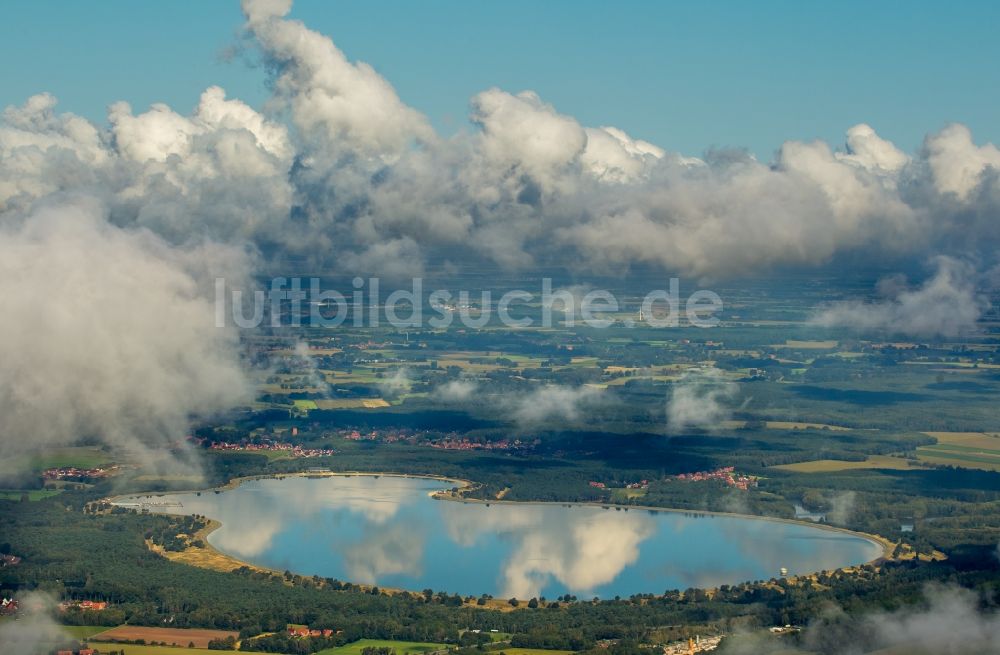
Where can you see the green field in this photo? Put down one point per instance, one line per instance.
(85, 631)
(947, 458)
(787, 425)
(79, 456)
(966, 449)
(401, 647)
(829, 465)
(625, 495)
(945, 448)
(359, 375)
(533, 651)
(178, 477)
(33, 494)
(131, 649)
(351, 403)
(305, 404)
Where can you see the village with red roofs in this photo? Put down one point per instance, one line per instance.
(726, 474)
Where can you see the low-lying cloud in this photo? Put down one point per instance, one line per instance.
(950, 620)
(947, 304)
(700, 399)
(109, 336)
(547, 403)
(396, 384)
(841, 509)
(34, 632)
(456, 391)
(553, 402)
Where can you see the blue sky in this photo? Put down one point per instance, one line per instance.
(685, 76)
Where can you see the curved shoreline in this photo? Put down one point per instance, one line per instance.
(236, 482)
(884, 544)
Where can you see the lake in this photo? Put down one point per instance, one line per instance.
(388, 531)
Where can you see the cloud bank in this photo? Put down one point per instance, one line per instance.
(947, 304)
(340, 172)
(109, 336)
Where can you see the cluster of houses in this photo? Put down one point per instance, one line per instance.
(288, 448)
(9, 560)
(693, 645)
(74, 473)
(87, 605)
(451, 441)
(375, 435)
(8, 606)
(305, 631)
(726, 474)
(355, 435)
(465, 444)
(82, 651)
(642, 484)
(689, 646)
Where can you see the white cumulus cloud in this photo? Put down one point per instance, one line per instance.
(947, 304)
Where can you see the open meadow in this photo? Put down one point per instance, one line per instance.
(32, 494)
(979, 450)
(83, 457)
(533, 651)
(401, 647)
(831, 465)
(146, 649)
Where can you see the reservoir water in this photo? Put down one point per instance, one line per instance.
(389, 531)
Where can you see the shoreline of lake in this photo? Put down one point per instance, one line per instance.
(883, 543)
(215, 559)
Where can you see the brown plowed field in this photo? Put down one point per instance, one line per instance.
(172, 636)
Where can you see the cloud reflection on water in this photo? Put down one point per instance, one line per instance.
(386, 531)
(581, 550)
